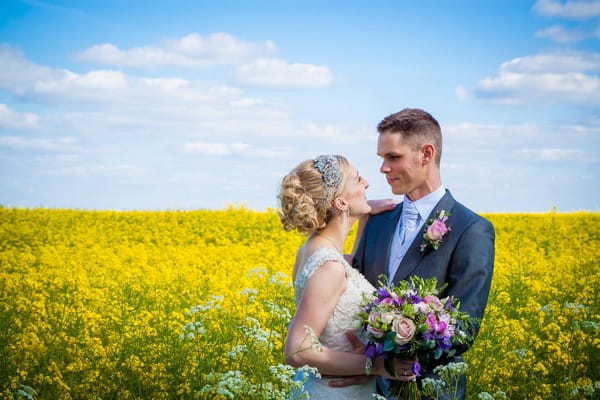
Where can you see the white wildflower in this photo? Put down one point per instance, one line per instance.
(258, 272)
(520, 353)
(237, 351)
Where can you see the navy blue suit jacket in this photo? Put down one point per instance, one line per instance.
(464, 260)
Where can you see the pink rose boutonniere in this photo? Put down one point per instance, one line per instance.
(435, 230)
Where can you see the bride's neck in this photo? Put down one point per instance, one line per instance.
(337, 229)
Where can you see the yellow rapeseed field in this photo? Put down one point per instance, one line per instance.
(194, 305)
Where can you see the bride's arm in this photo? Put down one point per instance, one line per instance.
(319, 299)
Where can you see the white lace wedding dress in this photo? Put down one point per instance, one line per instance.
(333, 336)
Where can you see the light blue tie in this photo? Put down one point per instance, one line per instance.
(410, 216)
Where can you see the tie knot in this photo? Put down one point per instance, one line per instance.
(410, 215)
(410, 211)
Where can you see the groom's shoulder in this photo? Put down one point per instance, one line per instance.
(384, 217)
(470, 217)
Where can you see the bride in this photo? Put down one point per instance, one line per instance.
(322, 198)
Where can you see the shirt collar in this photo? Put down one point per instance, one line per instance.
(426, 204)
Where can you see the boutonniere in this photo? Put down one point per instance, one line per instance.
(435, 231)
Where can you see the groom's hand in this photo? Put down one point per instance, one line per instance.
(359, 348)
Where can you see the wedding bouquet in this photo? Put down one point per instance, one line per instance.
(411, 322)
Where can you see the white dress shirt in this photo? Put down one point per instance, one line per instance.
(424, 206)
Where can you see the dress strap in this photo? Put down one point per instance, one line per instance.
(313, 262)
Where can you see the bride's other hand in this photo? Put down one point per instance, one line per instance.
(359, 348)
(381, 205)
(403, 371)
(403, 367)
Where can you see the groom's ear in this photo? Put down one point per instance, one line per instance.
(428, 153)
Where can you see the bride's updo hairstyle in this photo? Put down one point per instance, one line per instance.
(307, 193)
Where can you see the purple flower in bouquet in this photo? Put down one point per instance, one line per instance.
(416, 368)
(415, 299)
(370, 351)
(450, 304)
(374, 350)
(434, 325)
(444, 343)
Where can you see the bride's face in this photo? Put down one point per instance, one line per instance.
(355, 192)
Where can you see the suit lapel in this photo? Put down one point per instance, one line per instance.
(414, 255)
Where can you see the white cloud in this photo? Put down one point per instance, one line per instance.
(336, 132)
(554, 62)
(17, 73)
(491, 135)
(473, 144)
(207, 148)
(18, 142)
(97, 170)
(138, 100)
(29, 80)
(190, 51)
(555, 154)
(461, 93)
(14, 120)
(236, 148)
(560, 34)
(544, 79)
(495, 163)
(570, 9)
(277, 73)
(515, 89)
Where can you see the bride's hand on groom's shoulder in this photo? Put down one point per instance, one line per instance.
(381, 205)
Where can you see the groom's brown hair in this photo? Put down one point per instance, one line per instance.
(415, 125)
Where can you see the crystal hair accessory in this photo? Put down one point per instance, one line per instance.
(329, 167)
(330, 170)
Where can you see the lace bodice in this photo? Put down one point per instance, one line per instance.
(333, 336)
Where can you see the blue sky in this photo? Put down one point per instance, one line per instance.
(198, 104)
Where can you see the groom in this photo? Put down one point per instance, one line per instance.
(410, 145)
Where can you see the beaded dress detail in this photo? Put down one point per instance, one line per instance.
(334, 334)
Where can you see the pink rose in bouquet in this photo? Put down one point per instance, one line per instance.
(433, 302)
(404, 328)
(374, 322)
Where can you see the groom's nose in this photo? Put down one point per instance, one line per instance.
(384, 169)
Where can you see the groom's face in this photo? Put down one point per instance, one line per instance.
(401, 163)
